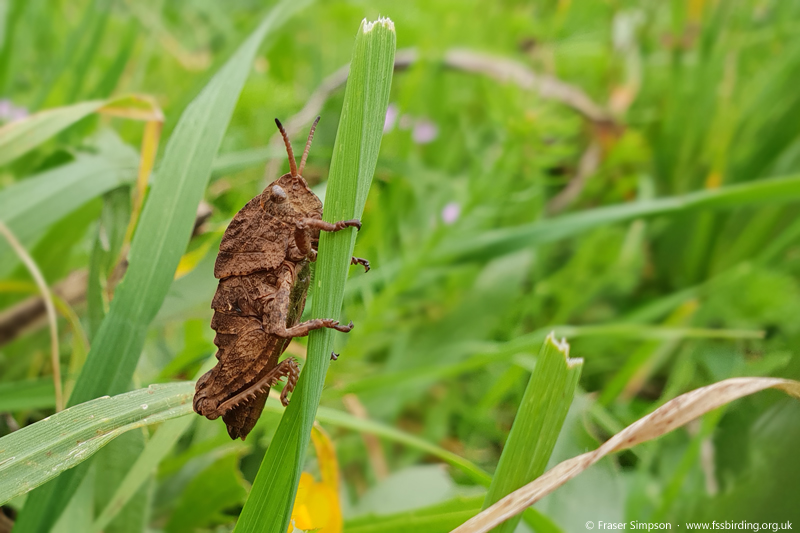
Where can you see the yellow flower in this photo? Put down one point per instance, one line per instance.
(316, 506)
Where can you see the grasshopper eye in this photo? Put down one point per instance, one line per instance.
(278, 194)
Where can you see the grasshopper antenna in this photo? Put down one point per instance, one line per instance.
(308, 147)
(292, 162)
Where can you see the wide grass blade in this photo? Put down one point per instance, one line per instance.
(164, 230)
(506, 240)
(538, 423)
(41, 451)
(355, 154)
(32, 205)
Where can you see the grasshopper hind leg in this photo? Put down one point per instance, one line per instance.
(240, 420)
(243, 410)
(287, 367)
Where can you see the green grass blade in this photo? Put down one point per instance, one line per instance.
(434, 519)
(355, 154)
(341, 419)
(155, 450)
(346, 420)
(21, 136)
(83, 62)
(537, 423)
(127, 43)
(644, 356)
(29, 394)
(486, 353)
(439, 517)
(243, 159)
(41, 451)
(110, 466)
(63, 61)
(505, 240)
(162, 235)
(11, 22)
(29, 207)
(159, 445)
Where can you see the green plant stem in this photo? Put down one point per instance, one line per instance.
(355, 154)
(505, 240)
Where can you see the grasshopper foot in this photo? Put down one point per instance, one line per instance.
(360, 261)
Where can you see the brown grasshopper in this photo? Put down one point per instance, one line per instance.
(264, 271)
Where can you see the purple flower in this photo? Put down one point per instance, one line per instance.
(9, 112)
(424, 132)
(391, 117)
(450, 213)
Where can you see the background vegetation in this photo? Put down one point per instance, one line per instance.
(624, 173)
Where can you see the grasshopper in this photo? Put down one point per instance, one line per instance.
(264, 273)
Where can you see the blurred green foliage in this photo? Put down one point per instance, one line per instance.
(696, 96)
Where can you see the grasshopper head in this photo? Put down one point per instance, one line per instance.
(291, 189)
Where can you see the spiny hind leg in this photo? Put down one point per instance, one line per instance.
(287, 367)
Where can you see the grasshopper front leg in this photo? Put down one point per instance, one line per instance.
(274, 320)
(327, 226)
(303, 241)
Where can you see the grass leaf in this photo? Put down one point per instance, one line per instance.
(21, 136)
(28, 394)
(29, 207)
(41, 451)
(537, 424)
(355, 154)
(439, 517)
(505, 240)
(154, 451)
(334, 417)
